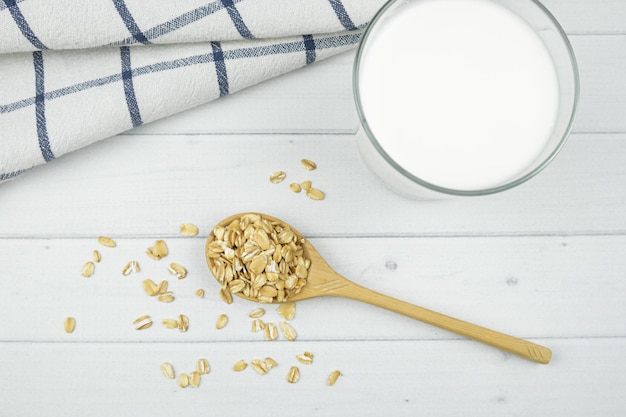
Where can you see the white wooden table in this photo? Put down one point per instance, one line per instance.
(543, 262)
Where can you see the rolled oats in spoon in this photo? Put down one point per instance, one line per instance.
(258, 258)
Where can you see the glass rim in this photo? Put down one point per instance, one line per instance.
(451, 191)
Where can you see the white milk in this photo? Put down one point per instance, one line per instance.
(460, 93)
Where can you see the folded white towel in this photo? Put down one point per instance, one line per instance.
(73, 72)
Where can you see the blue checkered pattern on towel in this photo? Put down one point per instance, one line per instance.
(75, 72)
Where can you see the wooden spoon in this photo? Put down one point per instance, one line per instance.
(324, 281)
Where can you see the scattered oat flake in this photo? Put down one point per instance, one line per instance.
(288, 331)
(161, 247)
(306, 185)
(240, 365)
(305, 358)
(170, 323)
(188, 229)
(69, 324)
(158, 251)
(162, 287)
(106, 241)
(315, 194)
(168, 370)
(277, 177)
(166, 297)
(87, 269)
(270, 363)
(222, 320)
(293, 375)
(287, 310)
(200, 292)
(150, 287)
(96, 256)
(270, 331)
(183, 380)
(308, 165)
(183, 323)
(332, 378)
(259, 366)
(203, 366)
(295, 187)
(143, 322)
(194, 379)
(131, 266)
(257, 325)
(178, 270)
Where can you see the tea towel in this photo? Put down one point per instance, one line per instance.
(73, 72)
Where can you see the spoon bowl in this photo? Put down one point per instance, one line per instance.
(322, 280)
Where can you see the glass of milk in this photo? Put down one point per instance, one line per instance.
(463, 97)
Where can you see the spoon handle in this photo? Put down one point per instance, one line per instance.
(523, 348)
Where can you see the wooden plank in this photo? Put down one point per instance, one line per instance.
(589, 16)
(318, 98)
(602, 64)
(146, 186)
(434, 378)
(526, 286)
